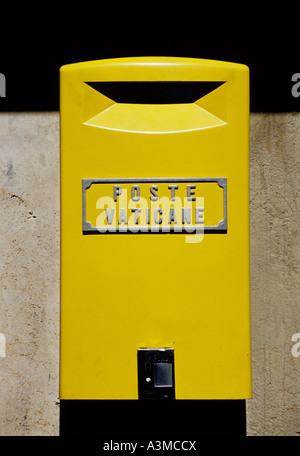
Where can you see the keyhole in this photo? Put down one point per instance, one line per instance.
(148, 372)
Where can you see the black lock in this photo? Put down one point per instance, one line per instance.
(156, 373)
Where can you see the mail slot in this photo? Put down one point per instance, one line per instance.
(155, 299)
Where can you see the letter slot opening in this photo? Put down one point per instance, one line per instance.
(155, 92)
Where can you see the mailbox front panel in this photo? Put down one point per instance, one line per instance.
(155, 227)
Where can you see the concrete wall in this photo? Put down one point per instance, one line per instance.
(275, 274)
(29, 273)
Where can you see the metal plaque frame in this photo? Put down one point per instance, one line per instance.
(87, 228)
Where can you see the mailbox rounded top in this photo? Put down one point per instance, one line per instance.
(154, 69)
(158, 61)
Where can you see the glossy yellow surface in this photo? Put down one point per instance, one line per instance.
(120, 292)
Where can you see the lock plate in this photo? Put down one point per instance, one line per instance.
(156, 373)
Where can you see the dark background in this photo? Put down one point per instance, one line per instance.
(36, 39)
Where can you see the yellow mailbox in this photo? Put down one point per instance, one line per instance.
(155, 298)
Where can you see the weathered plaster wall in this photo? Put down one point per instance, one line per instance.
(275, 274)
(29, 273)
